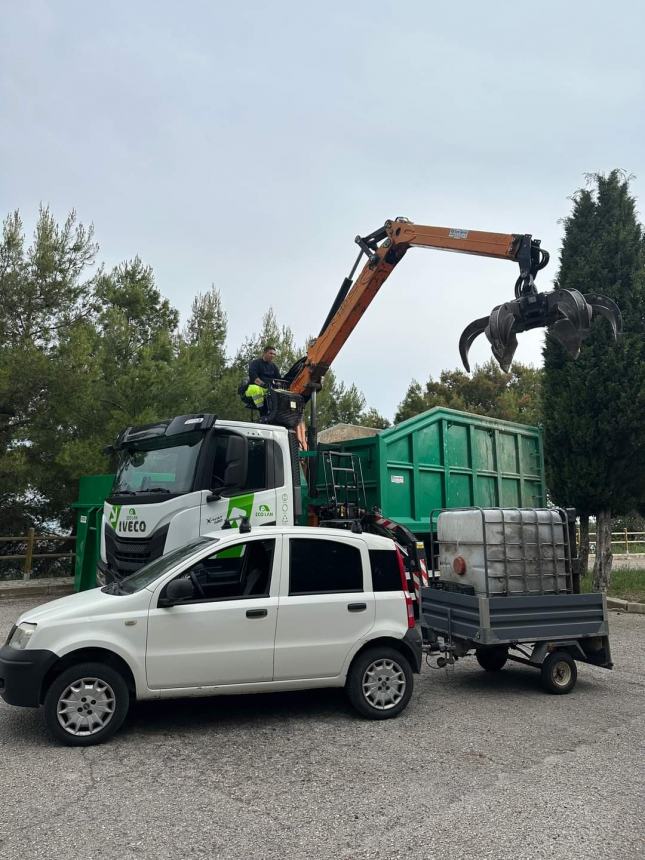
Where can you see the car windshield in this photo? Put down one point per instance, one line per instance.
(152, 466)
(154, 569)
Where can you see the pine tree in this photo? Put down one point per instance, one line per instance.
(594, 406)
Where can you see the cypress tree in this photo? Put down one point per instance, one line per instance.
(594, 407)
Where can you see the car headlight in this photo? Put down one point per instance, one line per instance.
(21, 635)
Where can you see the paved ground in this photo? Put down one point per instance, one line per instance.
(479, 766)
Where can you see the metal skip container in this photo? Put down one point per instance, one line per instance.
(498, 551)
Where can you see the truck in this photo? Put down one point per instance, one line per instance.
(189, 474)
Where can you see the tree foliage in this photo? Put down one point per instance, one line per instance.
(514, 396)
(85, 352)
(594, 406)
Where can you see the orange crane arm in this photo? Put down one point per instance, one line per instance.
(385, 248)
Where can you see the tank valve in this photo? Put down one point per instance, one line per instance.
(459, 565)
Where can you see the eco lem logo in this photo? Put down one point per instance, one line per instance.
(114, 516)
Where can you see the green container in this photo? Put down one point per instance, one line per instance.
(448, 459)
(92, 492)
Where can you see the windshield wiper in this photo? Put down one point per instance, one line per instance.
(152, 490)
(123, 492)
(113, 588)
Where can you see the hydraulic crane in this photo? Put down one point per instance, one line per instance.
(567, 313)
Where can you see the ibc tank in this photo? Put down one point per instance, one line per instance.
(518, 550)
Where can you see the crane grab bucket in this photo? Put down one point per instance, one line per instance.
(567, 314)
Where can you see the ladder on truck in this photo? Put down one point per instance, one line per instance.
(345, 489)
(344, 484)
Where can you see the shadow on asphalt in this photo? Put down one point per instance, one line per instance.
(237, 711)
(267, 710)
(511, 679)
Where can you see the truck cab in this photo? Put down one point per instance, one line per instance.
(190, 475)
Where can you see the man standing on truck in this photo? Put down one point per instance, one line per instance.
(262, 371)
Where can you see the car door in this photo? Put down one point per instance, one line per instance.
(326, 605)
(224, 634)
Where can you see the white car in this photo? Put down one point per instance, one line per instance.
(271, 609)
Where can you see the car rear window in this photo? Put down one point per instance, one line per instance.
(323, 567)
(386, 575)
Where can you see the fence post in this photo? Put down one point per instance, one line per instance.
(626, 543)
(29, 553)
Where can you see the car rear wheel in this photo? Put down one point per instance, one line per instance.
(380, 683)
(86, 704)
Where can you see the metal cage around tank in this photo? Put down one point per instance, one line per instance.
(545, 556)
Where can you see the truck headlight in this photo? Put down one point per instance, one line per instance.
(21, 635)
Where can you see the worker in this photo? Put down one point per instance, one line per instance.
(262, 372)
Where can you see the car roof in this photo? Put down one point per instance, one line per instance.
(372, 541)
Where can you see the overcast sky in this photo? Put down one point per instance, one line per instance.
(247, 144)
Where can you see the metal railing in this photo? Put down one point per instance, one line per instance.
(623, 542)
(28, 547)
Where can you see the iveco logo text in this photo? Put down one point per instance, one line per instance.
(130, 523)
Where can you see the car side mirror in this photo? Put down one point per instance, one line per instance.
(177, 591)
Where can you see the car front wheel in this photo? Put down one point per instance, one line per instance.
(380, 683)
(86, 704)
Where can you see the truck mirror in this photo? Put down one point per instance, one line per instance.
(236, 462)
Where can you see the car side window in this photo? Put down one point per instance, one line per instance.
(236, 572)
(386, 574)
(323, 567)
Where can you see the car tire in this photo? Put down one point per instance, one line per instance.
(86, 704)
(492, 659)
(559, 673)
(380, 683)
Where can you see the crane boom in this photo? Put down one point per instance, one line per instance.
(385, 248)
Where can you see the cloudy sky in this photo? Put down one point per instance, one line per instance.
(247, 144)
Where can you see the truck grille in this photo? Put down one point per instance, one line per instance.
(127, 555)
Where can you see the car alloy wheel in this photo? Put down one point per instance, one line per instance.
(86, 706)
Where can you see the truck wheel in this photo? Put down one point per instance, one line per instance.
(559, 673)
(86, 704)
(379, 683)
(492, 659)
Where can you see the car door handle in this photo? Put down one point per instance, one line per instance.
(256, 613)
(356, 607)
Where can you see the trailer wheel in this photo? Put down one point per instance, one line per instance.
(559, 673)
(492, 659)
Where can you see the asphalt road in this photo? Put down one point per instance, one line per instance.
(481, 766)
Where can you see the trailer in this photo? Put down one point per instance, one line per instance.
(520, 603)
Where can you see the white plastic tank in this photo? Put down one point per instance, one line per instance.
(523, 550)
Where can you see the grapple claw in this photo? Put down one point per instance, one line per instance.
(566, 313)
(607, 308)
(501, 334)
(468, 335)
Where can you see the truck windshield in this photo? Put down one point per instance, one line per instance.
(154, 569)
(152, 466)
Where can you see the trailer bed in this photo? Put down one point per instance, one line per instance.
(575, 623)
(521, 618)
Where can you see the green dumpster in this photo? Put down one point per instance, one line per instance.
(92, 492)
(443, 458)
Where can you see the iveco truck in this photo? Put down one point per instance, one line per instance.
(194, 474)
